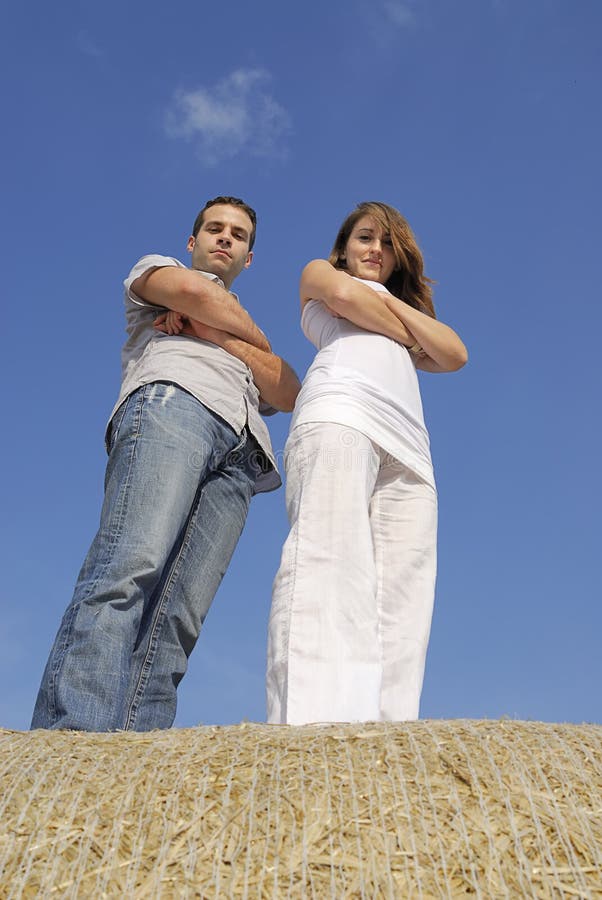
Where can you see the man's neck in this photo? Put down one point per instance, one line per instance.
(213, 275)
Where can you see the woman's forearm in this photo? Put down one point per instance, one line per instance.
(352, 300)
(440, 342)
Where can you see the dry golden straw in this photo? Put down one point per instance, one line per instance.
(429, 809)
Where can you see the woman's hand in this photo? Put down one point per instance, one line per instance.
(438, 347)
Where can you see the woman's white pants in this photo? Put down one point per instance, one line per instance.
(353, 597)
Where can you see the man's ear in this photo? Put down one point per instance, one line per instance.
(249, 259)
(191, 243)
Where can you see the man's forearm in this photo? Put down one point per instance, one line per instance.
(188, 292)
(277, 383)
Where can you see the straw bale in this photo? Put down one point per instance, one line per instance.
(429, 809)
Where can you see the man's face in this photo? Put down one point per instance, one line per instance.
(222, 243)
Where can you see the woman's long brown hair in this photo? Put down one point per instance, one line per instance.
(408, 281)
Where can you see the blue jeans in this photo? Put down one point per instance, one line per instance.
(178, 485)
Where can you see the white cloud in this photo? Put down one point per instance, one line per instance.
(236, 116)
(399, 13)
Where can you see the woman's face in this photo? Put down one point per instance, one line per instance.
(369, 252)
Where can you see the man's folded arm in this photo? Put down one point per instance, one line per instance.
(277, 383)
(188, 292)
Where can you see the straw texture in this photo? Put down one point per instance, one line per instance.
(429, 809)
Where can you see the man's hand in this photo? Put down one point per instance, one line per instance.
(171, 322)
(188, 293)
(277, 383)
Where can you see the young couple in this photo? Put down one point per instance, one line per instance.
(188, 448)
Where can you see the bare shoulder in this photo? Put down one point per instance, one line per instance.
(319, 279)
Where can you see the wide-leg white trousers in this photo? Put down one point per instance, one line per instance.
(353, 598)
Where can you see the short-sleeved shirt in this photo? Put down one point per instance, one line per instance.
(217, 379)
(366, 381)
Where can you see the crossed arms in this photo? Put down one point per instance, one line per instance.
(211, 313)
(441, 348)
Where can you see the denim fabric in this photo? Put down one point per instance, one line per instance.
(178, 485)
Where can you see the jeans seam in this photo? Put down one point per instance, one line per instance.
(60, 656)
(163, 600)
(74, 608)
(159, 615)
(157, 624)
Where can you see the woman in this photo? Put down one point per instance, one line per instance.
(353, 598)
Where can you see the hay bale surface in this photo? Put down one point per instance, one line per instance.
(425, 809)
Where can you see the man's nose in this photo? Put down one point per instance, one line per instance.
(225, 238)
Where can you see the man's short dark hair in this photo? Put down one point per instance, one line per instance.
(228, 201)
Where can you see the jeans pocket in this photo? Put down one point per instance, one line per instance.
(115, 424)
(256, 459)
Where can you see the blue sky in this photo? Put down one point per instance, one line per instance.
(480, 121)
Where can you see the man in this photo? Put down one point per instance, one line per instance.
(187, 450)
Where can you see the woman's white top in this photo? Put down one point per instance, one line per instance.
(366, 381)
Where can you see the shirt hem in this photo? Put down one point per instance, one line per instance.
(270, 481)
